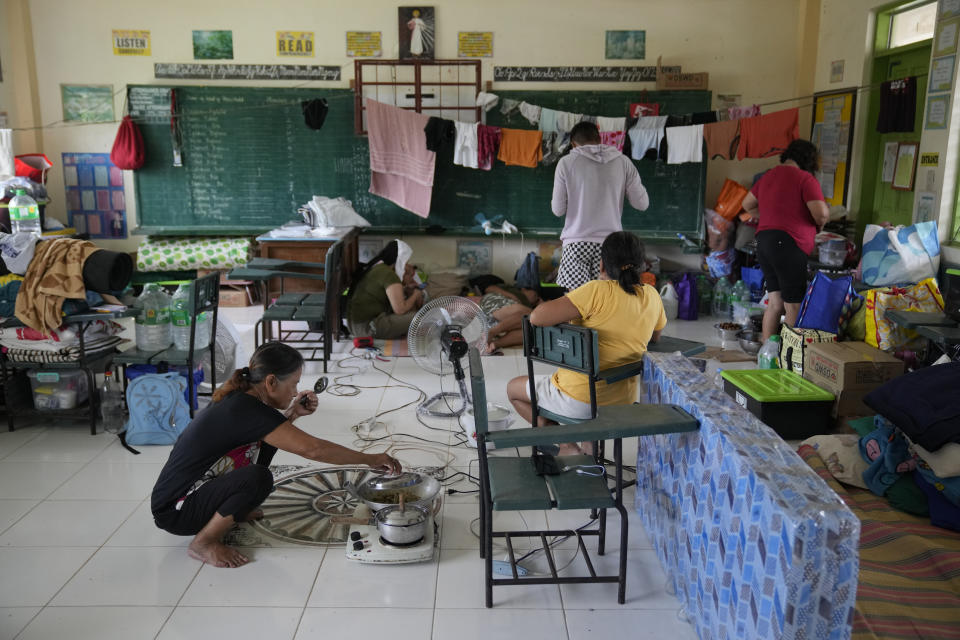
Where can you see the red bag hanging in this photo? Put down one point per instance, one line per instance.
(33, 166)
(128, 152)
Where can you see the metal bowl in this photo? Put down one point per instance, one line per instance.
(402, 527)
(749, 341)
(727, 334)
(381, 491)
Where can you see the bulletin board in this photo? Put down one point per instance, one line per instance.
(832, 132)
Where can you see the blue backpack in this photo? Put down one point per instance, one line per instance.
(528, 275)
(158, 410)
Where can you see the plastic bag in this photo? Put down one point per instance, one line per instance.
(686, 287)
(720, 263)
(720, 231)
(730, 200)
(822, 306)
(33, 166)
(900, 255)
(886, 335)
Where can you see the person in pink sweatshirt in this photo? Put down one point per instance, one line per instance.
(588, 188)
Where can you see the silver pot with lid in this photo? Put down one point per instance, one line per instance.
(402, 524)
(380, 492)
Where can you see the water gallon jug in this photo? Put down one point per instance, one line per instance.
(671, 302)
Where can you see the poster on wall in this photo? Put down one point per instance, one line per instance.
(945, 37)
(626, 45)
(94, 195)
(131, 42)
(937, 109)
(367, 248)
(889, 160)
(417, 32)
(836, 71)
(364, 44)
(941, 73)
(213, 45)
(475, 44)
(87, 102)
(295, 44)
(475, 255)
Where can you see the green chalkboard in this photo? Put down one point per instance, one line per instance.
(249, 162)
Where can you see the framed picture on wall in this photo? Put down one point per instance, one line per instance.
(906, 166)
(418, 28)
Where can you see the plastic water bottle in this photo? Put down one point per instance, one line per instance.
(718, 379)
(768, 354)
(24, 214)
(204, 325)
(721, 299)
(741, 292)
(112, 407)
(181, 317)
(153, 321)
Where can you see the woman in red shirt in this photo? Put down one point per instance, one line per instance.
(791, 209)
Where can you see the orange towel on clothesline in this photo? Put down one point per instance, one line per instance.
(768, 135)
(722, 139)
(520, 147)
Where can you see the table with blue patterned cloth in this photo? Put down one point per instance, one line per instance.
(755, 544)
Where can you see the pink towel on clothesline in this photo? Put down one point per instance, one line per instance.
(401, 166)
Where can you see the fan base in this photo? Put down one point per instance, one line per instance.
(434, 405)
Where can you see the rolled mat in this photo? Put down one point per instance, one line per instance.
(107, 271)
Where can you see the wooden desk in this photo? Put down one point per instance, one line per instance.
(308, 249)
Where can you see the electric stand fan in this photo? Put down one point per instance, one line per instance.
(440, 335)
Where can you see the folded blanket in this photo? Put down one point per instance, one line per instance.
(65, 336)
(55, 273)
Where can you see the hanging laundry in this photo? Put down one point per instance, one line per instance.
(736, 113)
(487, 101)
(550, 147)
(627, 143)
(722, 139)
(548, 120)
(768, 135)
(566, 121)
(613, 139)
(401, 166)
(531, 112)
(508, 106)
(591, 119)
(704, 117)
(466, 147)
(611, 124)
(488, 141)
(520, 147)
(439, 132)
(898, 105)
(672, 121)
(646, 135)
(685, 144)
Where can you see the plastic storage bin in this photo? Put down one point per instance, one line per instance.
(793, 407)
(58, 389)
(833, 252)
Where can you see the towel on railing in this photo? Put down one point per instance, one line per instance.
(401, 166)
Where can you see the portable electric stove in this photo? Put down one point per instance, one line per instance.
(364, 544)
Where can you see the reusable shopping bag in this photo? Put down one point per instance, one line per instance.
(730, 200)
(888, 336)
(828, 303)
(902, 255)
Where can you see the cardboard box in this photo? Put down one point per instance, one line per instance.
(848, 366)
(688, 81)
(238, 296)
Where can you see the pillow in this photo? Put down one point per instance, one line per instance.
(944, 462)
(445, 284)
(841, 454)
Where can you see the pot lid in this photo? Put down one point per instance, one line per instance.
(401, 481)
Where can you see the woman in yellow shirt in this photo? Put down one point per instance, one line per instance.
(626, 314)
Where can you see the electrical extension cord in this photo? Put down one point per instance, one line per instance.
(502, 568)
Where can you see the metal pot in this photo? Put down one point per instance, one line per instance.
(380, 492)
(405, 526)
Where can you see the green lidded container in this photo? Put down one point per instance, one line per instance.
(792, 406)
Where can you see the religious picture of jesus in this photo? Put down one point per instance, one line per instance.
(417, 32)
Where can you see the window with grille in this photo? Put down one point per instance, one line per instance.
(443, 88)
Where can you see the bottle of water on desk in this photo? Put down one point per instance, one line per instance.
(112, 406)
(153, 321)
(24, 214)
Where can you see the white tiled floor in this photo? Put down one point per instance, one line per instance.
(80, 557)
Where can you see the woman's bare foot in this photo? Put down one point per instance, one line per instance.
(491, 347)
(569, 449)
(216, 554)
(256, 514)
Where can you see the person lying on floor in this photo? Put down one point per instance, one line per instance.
(626, 314)
(507, 319)
(218, 471)
(384, 298)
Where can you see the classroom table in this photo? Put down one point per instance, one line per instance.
(916, 319)
(298, 252)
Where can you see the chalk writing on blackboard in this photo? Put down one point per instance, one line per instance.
(149, 105)
(579, 74)
(202, 71)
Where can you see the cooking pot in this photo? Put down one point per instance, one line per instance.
(383, 491)
(402, 526)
